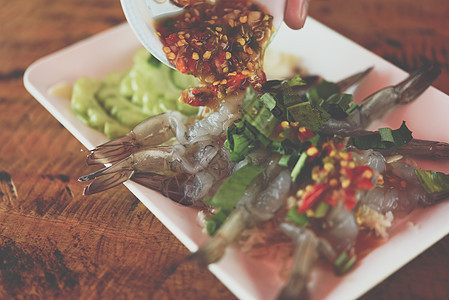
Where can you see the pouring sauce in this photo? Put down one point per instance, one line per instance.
(221, 44)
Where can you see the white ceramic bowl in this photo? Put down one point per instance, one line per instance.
(141, 14)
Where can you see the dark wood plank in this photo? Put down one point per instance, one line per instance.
(55, 243)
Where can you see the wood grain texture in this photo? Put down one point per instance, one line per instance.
(55, 243)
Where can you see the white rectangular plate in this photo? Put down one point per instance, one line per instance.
(323, 52)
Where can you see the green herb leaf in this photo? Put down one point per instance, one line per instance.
(228, 194)
(339, 105)
(433, 182)
(240, 140)
(249, 99)
(308, 116)
(296, 81)
(215, 222)
(385, 138)
(234, 186)
(321, 92)
(289, 96)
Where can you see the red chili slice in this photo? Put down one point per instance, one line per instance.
(312, 196)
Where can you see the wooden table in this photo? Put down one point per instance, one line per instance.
(55, 243)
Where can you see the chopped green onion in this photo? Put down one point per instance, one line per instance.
(343, 263)
(299, 166)
(268, 100)
(298, 218)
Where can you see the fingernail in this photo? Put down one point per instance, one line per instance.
(303, 11)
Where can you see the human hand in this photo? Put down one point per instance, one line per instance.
(295, 13)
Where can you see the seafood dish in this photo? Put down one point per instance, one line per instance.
(296, 157)
(292, 152)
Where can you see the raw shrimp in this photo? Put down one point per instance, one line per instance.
(161, 166)
(337, 234)
(159, 129)
(381, 102)
(312, 80)
(304, 258)
(340, 228)
(417, 147)
(149, 133)
(401, 192)
(257, 205)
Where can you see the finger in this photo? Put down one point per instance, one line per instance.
(295, 13)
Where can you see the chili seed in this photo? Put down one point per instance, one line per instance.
(243, 19)
(207, 54)
(312, 151)
(345, 183)
(333, 182)
(228, 55)
(195, 56)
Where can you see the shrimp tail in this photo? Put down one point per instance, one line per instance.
(214, 249)
(108, 177)
(346, 83)
(151, 132)
(305, 256)
(438, 197)
(418, 81)
(113, 151)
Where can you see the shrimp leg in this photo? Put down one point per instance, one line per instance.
(381, 102)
